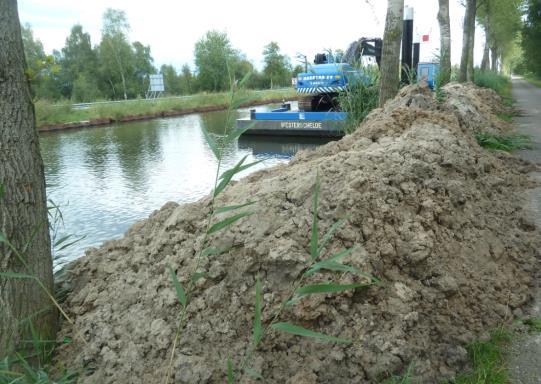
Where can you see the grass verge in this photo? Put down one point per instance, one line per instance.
(51, 114)
(506, 143)
(533, 80)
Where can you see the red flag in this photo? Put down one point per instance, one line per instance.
(426, 38)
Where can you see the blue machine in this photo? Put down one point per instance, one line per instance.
(329, 75)
(428, 72)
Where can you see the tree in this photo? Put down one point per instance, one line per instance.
(42, 70)
(501, 20)
(390, 58)
(186, 80)
(114, 47)
(215, 60)
(468, 42)
(139, 68)
(171, 79)
(23, 209)
(531, 38)
(277, 68)
(445, 41)
(79, 64)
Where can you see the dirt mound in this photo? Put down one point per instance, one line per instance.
(438, 219)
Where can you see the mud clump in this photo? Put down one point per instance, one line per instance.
(437, 218)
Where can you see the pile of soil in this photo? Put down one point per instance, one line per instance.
(437, 218)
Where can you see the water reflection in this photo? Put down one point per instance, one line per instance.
(107, 178)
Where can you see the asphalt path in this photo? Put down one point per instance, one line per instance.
(525, 354)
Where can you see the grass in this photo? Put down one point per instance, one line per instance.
(493, 80)
(48, 113)
(533, 80)
(506, 143)
(488, 360)
(533, 324)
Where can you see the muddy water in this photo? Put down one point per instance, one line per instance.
(105, 179)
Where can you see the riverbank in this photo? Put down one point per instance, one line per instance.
(51, 117)
(438, 219)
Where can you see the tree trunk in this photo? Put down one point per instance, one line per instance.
(445, 42)
(485, 63)
(471, 46)
(495, 55)
(23, 208)
(469, 30)
(390, 58)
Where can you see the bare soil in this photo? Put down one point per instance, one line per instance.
(437, 218)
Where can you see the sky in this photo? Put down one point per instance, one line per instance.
(172, 28)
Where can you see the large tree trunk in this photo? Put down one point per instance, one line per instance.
(23, 209)
(485, 63)
(445, 42)
(471, 46)
(467, 40)
(495, 55)
(390, 58)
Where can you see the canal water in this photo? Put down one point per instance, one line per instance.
(105, 179)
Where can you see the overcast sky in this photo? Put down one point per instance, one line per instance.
(171, 28)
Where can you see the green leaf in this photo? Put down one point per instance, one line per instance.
(235, 133)
(327, 288)
(212, 143)
(228, 175)
(258, 330)
(329, 234)
(2, 190)
(68, 244)
(314, 250)
(230, 372)
(212, 251)
(181, 295)
(300, 331)
(3, 238)
(245, 79)
(197, 276)
(253, 373)
(227, 222)
(232, 207)
(15, 275)
(334, 259)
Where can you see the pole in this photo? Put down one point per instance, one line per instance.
(407, 45)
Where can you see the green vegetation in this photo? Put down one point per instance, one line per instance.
(531, 39)
(360, 98)
(493, 80)
(533, 80)
(488, 360)
(49, 113)
(118, 69)
(506, 143)
(533, 324)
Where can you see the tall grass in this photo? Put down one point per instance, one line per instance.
(360, 97)
(508, 142)
(48, 113)
(493, 80)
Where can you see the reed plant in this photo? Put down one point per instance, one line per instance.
(360, 97)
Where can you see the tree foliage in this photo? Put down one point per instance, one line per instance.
(277, 70)
(215, 60)
(501, 20)
(531, 38)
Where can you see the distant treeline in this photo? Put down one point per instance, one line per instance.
(118, 69)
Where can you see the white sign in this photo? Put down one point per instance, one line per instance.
(156, 83)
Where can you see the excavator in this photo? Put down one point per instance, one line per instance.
(323, 80)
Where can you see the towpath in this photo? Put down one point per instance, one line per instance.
(525, 356)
